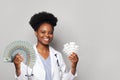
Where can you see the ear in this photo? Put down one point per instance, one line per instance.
(35, 33)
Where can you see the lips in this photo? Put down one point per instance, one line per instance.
(46, 39)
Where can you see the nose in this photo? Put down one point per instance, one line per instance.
(46, 34)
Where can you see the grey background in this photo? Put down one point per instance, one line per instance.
(93, 24)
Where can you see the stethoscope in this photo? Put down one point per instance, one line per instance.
(57, 60)
(31, 75)
(59, 68)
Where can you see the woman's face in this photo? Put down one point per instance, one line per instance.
(44, 34)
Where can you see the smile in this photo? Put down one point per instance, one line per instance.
(46, 39)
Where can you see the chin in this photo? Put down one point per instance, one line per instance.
(46, 44)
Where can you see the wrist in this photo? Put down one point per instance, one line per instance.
(73, 71)
(73, 66)
(18, 72)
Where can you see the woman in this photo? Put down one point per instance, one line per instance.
(49, 64)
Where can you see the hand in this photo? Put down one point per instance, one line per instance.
(74, 60)
(17, 61)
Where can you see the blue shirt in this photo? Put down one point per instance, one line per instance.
(47, 67)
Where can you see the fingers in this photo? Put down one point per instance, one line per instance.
(73, 57)
(74, 60)
(17, 59)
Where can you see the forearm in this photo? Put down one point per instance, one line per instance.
(18, 72)
(73, 71)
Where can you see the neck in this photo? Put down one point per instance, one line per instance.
(42, 48)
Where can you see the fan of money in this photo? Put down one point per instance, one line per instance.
(23, 48)
(70, 47)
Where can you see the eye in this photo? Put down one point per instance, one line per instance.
(51, 32)
(43, 32)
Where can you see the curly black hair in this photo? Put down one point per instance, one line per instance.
(42, 17)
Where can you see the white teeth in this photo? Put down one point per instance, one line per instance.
(46, 39)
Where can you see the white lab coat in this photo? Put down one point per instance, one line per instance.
(58, 72)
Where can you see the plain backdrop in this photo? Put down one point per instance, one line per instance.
(93, 24)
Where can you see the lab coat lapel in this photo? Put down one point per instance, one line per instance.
(54, 67)
(52, 56)
(39, 66)
(37, 57)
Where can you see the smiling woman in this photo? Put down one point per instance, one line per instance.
(44, 34)
(49, 63)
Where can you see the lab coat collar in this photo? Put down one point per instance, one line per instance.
(53, 52)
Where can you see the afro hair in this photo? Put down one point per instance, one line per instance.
(42, 17)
